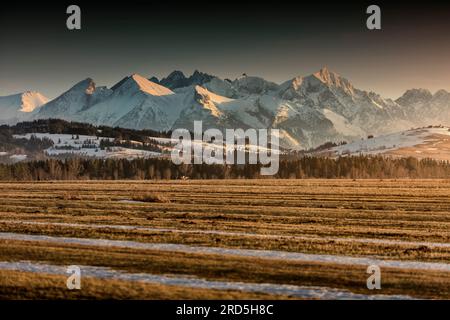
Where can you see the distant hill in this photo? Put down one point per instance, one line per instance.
(429, 142)
(41, 139)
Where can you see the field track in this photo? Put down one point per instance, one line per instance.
(226, 239)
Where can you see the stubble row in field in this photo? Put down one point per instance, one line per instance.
(394, 220)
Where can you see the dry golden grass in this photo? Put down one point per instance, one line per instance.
(25, 286)
(436, 146)
(408, 210)
(314, 245)
(151, 197)
(424, 284)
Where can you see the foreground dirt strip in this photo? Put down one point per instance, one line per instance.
(272, 289)
(227, 233)
(263, 254)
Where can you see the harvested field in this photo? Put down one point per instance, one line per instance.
(241, 239)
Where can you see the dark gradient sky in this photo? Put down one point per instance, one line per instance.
(276, 41)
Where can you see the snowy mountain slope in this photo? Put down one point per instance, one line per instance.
(301, 126)
(20, 107)
(221, 87)
(248, 102)
(223, 112)
(32, 100)
(423, 107)
(309, 110)
(79, 98)
(308, 126)
(201, 104)
(177, 79)
(139, 103)
(247, 85)
(429, 142)
(364, 110)
(343, 125)
(136, 103)
(241, 87)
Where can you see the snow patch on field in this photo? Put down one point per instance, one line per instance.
(193, 282)
(263, 254)
(230, 233)
(18, 157)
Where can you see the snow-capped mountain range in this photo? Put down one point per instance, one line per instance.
(308, 110)
(21, 106)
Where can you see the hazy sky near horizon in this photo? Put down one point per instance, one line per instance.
(276, 41)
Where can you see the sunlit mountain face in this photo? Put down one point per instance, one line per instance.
(308, 110)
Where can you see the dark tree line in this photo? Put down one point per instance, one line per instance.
(58, 126)
(359, 167)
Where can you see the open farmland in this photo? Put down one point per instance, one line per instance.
(226, 239)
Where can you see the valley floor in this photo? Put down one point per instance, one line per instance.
(225, 239)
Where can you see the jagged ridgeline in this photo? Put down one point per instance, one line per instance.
(308, 110)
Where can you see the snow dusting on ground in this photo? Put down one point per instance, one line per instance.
(87, 146)
(263, 254)
(396, 142)
(193, 282)
(230, 233)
